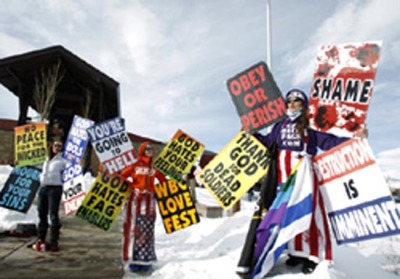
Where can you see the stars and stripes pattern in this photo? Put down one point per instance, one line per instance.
(138, 230)
(289, 215)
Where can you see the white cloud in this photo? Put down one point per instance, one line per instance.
(389, 162)
(138, 32)
(351, 22)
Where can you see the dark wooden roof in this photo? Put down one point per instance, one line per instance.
(140, 139)
(18, 73)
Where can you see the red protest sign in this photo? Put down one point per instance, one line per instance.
(342, 87)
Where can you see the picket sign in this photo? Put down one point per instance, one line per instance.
(178, 156)
(30, 143)
(236, 169)
(20, 188)
(257, 98)
(112, 145)
(357, 198)
(175, 205)
(342, 87)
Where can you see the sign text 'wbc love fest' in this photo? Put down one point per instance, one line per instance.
(176, 205)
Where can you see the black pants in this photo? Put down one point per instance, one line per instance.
(49, 198)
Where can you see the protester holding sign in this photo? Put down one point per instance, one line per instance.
(192, 183)
(49, 198)
(140, 211)
(294, 139)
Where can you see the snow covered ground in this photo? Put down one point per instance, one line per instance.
(211, 248)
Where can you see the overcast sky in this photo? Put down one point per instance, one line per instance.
(172, 58)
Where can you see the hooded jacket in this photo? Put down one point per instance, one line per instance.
(284, 134)
(142, 172)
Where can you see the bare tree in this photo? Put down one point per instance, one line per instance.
(44, 93)
(86, 107)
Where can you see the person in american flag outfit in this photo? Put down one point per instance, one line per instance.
(140, 211)
(294, 138)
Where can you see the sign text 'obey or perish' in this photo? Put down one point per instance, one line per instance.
(30, 144)
(176, 206)
(178, 156)
(235, 169)
(257, 98)
(104, 201)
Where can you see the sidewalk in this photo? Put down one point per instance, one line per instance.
(86, 252)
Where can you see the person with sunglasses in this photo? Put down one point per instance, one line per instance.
(49, 198)
(292, 138)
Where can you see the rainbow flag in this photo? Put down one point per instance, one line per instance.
(289, 215)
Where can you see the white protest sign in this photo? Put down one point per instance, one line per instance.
(73, 192)
(112, 144)
(357, 198)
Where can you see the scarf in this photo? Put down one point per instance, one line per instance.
(293, 115)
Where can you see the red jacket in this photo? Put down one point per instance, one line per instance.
(142, 172)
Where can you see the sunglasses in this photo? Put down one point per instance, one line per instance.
(294, 100)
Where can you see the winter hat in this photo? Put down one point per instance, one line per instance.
(142, 148)
(297, 94)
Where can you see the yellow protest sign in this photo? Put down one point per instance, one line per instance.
(30, 144)
(235, 169)
(178, 156)
(176, 206)
(104, 201)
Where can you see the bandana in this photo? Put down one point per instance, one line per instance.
(295, 95)
(293, 115)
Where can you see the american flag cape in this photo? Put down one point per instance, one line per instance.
(289, 215)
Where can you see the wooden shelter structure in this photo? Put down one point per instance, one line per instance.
(82, 88)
